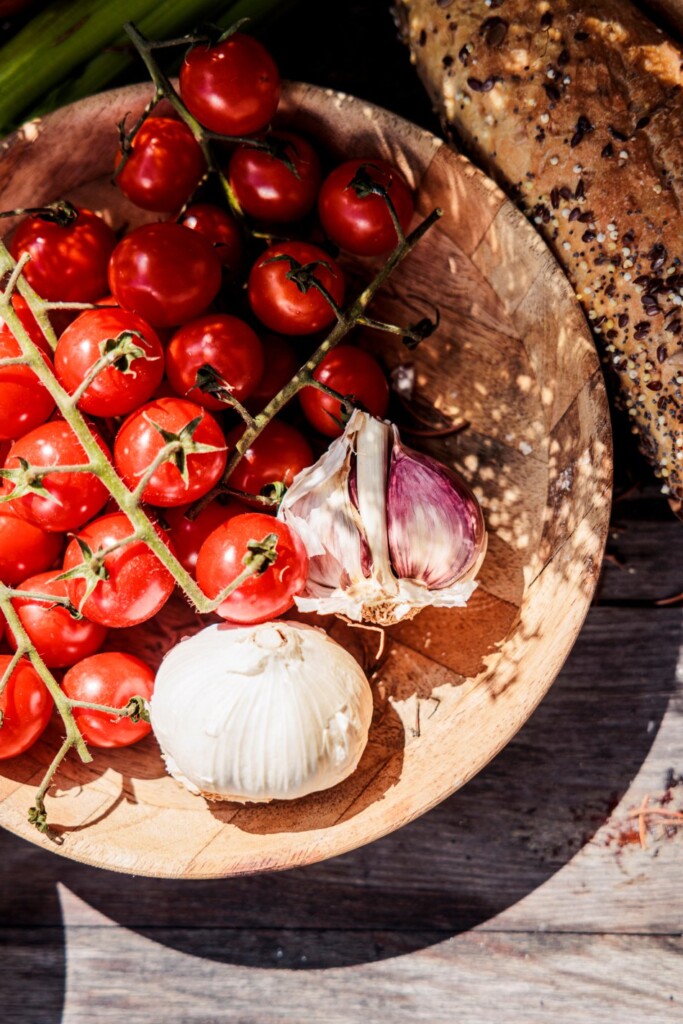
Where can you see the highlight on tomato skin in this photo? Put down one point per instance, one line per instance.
(219, 228)
(138, 585)
(26, 706)
(113, 392)
(68, 264)
(280, 186)
(73, 497)
(262, 596)
(188, 535)
(232, 88)
(139, 441)
(165, 272)
(280, 303)
(58, 637)
(363, 225)
(110, 678)
(225, 343)
(161, 143)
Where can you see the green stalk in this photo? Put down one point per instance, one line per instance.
(55, 41)
(166, 19)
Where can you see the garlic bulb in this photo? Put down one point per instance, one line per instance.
(388, 530)
(259, 713)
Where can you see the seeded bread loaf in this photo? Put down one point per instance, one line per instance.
(576, 108)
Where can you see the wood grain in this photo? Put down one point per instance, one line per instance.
(514, 357)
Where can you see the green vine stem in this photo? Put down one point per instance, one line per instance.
(260, 554)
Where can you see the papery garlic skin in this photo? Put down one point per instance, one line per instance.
(363, 524)
(258, 713)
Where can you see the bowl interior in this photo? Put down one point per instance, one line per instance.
(513, 359)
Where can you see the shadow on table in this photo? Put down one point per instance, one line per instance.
(487, 847)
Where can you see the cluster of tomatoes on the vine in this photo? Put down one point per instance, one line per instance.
(175, 357)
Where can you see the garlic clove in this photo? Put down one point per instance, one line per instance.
(388, 531)
(435, 526)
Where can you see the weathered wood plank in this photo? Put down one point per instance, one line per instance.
(644, 559)
(496, 978)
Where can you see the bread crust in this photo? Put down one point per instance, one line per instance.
(577, 109)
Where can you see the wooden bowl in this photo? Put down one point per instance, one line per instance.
(514, 358)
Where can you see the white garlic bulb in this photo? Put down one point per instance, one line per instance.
(388, 530)
(258, 713)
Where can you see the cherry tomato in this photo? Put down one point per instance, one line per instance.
(110, 678)
(68, 264)
(363, 225)
(29, 323)
(137, 584)
(138, 442)
(122, 387)
(25, 549)
(352, 372)
(188, 535)
(263, 596)
(165, 273)
(225, 343)
(26, 706)
(280, 364)
(268, 188)
(59, 638)
(278, 301)
(277, 454)
(75, 497)
(232, 88)
(220, 228)
(164, 167)
(25, 403)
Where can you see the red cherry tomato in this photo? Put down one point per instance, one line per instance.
(25, 549)
(277, 454)
(137, 584)
(75, 497)
(165, 273)
(268, 188)
(26, 706)
(225, 343)
(138, 442)
(280, 364)
(188, 535)
(59, 638)
(25, 403)
(278, 301)
(121, 387)
(232, 88)
(110, 678)
(164, 167)
(363, 225)
(29, 323)
(352, 372)
(68, 264)
(218, 227)
(260, 597)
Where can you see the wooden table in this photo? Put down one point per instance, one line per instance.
(526, 897)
